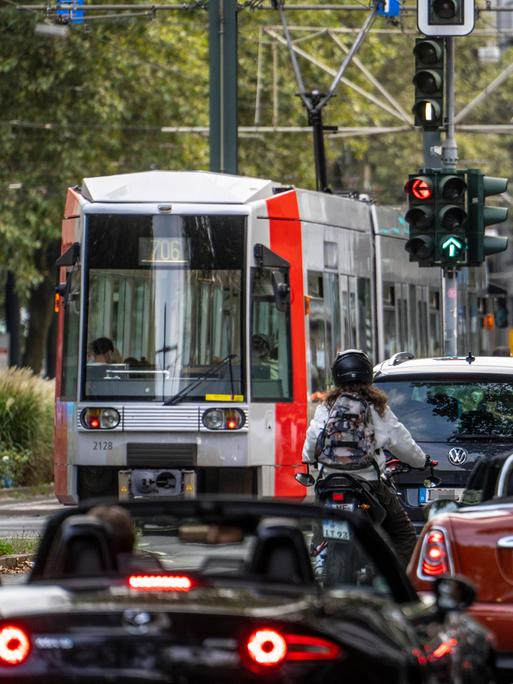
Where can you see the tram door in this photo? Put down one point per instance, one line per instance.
(349, 311)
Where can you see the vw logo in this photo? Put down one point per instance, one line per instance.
(457, 456)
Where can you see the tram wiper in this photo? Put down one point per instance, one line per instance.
(211, 370)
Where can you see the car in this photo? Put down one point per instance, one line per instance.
(458, 409)
(225, 591)
(476, 541)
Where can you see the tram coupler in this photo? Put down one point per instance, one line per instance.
(140, 483)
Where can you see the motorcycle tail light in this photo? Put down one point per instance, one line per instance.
(160, 582)
(434, 556)
(268, 648)
(338, 496)
(14, 645)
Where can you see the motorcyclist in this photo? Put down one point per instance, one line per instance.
(352, 374)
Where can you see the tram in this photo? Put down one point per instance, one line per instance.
(199, 314)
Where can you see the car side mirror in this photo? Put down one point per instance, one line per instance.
(440, 506)
(453, 594)
(305, 479)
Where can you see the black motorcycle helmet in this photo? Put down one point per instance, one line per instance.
(352, 365)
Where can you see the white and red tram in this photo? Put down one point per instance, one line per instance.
(219, 302)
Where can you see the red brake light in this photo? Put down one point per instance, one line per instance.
(338, 496)
(160, 582)
(14, 645)
(434, 557)
(267, 647)
(420, 188)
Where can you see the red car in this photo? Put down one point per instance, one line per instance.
(475, 541)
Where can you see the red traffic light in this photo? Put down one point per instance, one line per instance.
(420, 188)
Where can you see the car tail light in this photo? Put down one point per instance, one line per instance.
(14, 645)
(100, 418)
(160, 582)
(267, 648)
(434, 556)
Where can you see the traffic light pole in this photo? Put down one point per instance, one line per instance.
(449, 163)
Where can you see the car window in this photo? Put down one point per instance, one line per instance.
(440, 411)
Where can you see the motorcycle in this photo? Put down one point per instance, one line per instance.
(336, 559)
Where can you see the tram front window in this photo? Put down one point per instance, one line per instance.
(165, 301)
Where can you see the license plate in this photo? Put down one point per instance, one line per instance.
(341, 506)
(336, 529)
(428, 494)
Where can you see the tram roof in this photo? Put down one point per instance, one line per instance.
(177, 186)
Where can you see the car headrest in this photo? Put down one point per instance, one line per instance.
(280, 555)
(81, 549)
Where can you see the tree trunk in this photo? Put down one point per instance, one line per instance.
(40, 309)
(12, 319)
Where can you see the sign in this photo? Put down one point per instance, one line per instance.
(389, 8)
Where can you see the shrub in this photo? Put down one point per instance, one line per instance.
(26, 427)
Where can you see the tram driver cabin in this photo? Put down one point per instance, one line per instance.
(223, 300)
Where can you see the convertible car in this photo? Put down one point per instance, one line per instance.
(476, 541)
(225, 591)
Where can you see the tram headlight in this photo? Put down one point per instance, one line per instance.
(223, 419)
(100, 418)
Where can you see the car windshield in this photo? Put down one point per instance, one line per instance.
(436, 411)
(235, 547)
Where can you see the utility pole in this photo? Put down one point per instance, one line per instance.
(222, 21)
(449, 163)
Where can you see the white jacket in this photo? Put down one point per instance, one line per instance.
(389, 434)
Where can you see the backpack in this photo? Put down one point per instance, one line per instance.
(347, 440)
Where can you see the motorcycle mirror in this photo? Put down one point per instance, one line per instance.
(305, 479)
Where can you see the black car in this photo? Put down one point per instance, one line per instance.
(457, 409)
(225, 591)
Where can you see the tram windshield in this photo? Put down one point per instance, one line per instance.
(441, 411)
(164, 313)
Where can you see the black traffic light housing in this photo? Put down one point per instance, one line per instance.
(420, 216)
(428, 80)
(445, 17)
(479, 188)
(437, 216)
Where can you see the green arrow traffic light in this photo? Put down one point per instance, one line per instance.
(452, 248)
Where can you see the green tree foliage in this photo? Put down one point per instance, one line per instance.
(97, 101)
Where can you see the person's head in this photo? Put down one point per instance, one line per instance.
(260, 344)
(119, 524)
(102, 349)
(352, 374)
(501, 351)
(350, 367)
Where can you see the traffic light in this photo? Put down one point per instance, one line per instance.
(429, 82)
(420, 216)
(445, 17)
(480, 216)
(437, 216)
(451, 218)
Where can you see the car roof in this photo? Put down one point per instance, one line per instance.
(403, 364)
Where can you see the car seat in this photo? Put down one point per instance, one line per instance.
(81, 549)
(280, 555)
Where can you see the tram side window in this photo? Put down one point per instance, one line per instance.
(271, 378)
(318, 345)
(434, 323)
(70, 342)
(389, 323)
